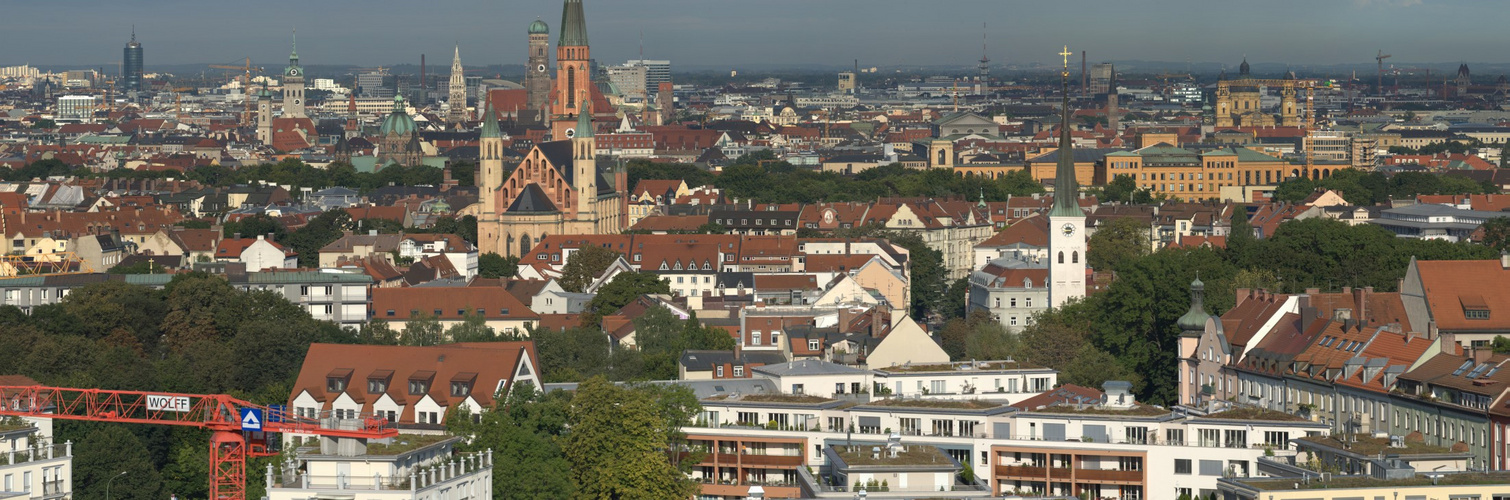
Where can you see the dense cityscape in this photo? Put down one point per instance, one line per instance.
(568, 277)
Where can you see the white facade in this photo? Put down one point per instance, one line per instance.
(262, 255)
(32, 466)
(1066, 259)
(430, 472)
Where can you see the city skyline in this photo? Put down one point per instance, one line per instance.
(884, 33)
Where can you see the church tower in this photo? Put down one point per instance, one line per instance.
(490, 163)
(537, 77)
(458, 100)
(573, 71)
(293, 85)
(1066, 220)
(585, 161)
(265, 117)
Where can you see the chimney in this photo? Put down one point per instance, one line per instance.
(1360, 303)
(1504, 260)
(236, 236)
(1481, 354)
(1313, 291)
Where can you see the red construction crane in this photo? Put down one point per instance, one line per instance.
(235, 423)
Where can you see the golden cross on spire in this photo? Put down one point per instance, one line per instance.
(1066, 54)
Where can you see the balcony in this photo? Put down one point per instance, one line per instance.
(1110, 476)
(1021, 471)
(771, 460)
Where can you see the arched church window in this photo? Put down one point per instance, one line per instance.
(1061, 257)
(1075, 257)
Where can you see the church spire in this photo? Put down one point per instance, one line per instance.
(293, 53)
(490, 123)
(1065, 188)
(584, 118)
(573, 25)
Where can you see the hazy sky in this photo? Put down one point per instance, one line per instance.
(734, 32)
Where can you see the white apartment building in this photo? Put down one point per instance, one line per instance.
(32, 466)
(407, 467)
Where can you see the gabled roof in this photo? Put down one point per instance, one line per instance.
(487, 366)
(533, 200)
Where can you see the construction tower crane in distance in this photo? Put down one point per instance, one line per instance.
(1380, 59)
(239, 429)
(246, 86)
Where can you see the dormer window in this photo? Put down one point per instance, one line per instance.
(333, 384)
(1474, 307)
(461, 389)
(418, 387)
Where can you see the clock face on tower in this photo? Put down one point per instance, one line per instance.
(540, 68)
(296, 101)
(1068, 229)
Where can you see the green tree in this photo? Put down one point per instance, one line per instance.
(585, 265)
(619, 292)
(1497, 233)
(1117, 243)
(492, 265)
(110, 451)
(523, 430)
(1120, 189)
(617, 445)
(472, 328)
(251, 227)
(422, 331)
(572, 354)
(928, 276)
(320, 231)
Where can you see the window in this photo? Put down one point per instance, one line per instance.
(755, 337)
(812, 344)
(418, 387)
(460, 389)
(1027, 302)
(720, 371)
(1174, 436)
(390, 312)
(797, 389)
(836, 424)
(839, 388)
(335, 384)
(377, 386)
(1277, 439)
(1013, 302)
(1476, 313)
(739, 371)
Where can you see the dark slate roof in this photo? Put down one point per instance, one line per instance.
(558, 153)
(533, 199)
(702, 361)
(736, 279)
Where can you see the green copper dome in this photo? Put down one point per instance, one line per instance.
(398, 122)
(539, 28)
(1195, 319)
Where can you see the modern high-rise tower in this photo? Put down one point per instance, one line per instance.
(573, 72)
(293, 84)
(458, 98)
(131, 65)
(537, 77)
(1066, 220)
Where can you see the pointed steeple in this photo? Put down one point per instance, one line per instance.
(490, 124)
(573, 25)
(982, 202)
(1066, 190)
(293, 53)
(584, 119)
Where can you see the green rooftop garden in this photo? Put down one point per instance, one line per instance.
(1369, 445)
(909, 456)
(1370, 482)
(1136, 411)
(972, 404)
(1251, 413)
(404, 443)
